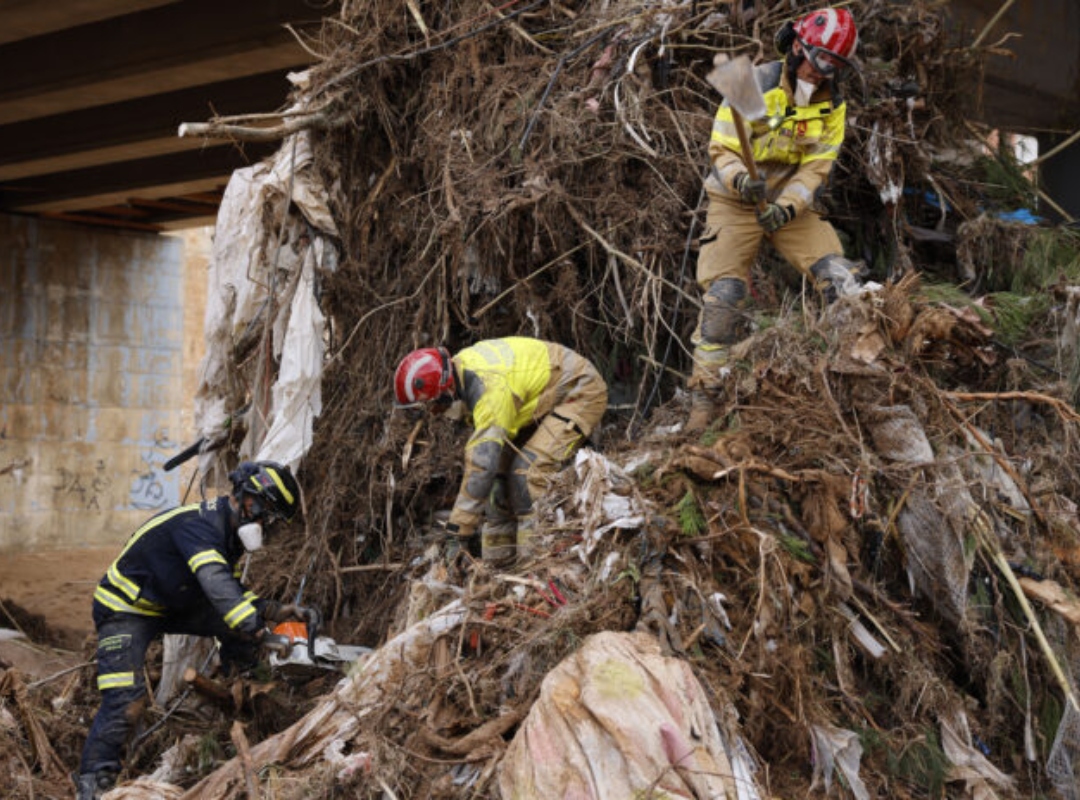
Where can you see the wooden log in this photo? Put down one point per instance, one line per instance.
(219, 695)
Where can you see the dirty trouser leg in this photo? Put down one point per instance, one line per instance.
(122, 643)
(728, 247)
(554, 442)
(806, 240)
(499, 531)
(498, 534)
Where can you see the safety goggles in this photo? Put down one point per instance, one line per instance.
(263, 512)
(825, 62)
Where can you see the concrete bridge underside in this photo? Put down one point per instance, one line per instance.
(93, 92)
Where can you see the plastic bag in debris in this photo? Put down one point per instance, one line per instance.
(981, 778)
(618, 719)
(603, 499)
(837, 747)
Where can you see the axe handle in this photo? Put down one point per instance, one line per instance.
(744, 149)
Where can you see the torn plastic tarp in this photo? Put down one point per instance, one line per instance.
(618, 719)
(265, 258)
(297, 393)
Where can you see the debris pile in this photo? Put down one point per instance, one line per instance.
(862, 580)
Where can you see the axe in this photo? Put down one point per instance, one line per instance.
(735, 80)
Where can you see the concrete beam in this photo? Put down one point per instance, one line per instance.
(133, 129)
(165, 48)
(163, 176)
(26, 18)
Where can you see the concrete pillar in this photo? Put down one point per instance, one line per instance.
(92, 391)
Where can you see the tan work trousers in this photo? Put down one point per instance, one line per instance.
(732, 237)
(526, 469)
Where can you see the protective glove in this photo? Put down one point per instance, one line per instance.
(750, 191)
(280, 613)
(774, 217)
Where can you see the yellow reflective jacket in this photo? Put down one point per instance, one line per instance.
(794, 147)
(507, 384)
(514, 372)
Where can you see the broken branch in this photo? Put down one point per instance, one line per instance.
(216, 130)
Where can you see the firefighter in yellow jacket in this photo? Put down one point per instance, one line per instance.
(531, 404)
(794, 149)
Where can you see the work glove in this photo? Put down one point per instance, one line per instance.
(750, 191)
(277, 612)
(774, 217)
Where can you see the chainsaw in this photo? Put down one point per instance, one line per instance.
(295, 655)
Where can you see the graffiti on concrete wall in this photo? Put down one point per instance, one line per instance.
(150, 490)
(83, 489)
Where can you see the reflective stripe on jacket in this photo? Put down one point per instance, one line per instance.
(507, 384)
(177, 561)
(794, 147)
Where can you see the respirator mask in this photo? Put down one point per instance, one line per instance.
(251, 536)
(804, 90)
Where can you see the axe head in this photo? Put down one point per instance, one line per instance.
(734, 79)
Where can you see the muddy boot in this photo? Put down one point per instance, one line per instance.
(703, 411)
(706, 380)
(527, 544)
(498, 544)
(92, 785)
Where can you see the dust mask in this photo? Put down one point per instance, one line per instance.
(251, 536)
(804, 90)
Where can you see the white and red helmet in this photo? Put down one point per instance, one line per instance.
(828, 39)
(423, 376)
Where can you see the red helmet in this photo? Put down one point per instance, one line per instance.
(424, 375)
(828, 38)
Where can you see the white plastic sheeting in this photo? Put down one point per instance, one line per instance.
(273, 235)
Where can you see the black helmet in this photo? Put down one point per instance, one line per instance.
(274, 488)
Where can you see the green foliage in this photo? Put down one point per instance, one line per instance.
(643, 473)
(797, 548)
(207, 754)
(1005, 186)
(710, 437)
(1049, 717)
(633, 574)
(921, 763)
(1015, 315)
(1011, 315)
(691, 518)
(1052, 253)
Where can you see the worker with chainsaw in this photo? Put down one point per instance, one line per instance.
(769, 187)
(178, 573)
(531, 404)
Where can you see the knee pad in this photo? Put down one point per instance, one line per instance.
(836, 276)
(722, 321)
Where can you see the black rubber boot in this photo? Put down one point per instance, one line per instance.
(92, 785)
